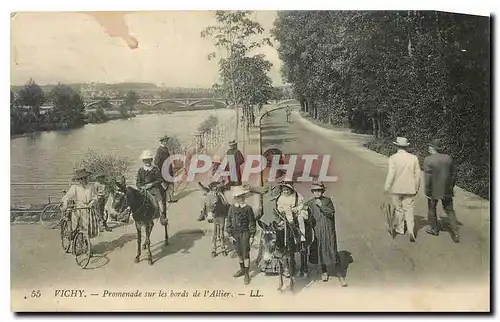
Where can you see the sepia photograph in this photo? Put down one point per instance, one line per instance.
(250, 161)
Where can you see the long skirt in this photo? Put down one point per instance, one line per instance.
(87, 220)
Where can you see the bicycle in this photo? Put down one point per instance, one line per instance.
(51, 216)
(79, 239)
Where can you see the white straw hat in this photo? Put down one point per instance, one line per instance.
(401, 141)
(239, 190)
(146, 154)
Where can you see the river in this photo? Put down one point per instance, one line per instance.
(51, 156)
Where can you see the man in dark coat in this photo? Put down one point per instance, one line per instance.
(440, 177)
(239, 160)
(162, 154)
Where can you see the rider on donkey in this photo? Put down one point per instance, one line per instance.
(149, 179)
(291, 213)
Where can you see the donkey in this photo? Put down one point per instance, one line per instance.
(274, 247)
(143, 212)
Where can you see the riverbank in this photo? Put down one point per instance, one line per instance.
(110, 116)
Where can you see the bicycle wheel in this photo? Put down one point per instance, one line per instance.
(66, 235)
(82, 249)
(51, 215)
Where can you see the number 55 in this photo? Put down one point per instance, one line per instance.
(36, 293)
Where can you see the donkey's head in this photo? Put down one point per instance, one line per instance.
(270, 241)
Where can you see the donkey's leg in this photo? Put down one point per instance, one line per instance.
(138, 228)
(166, 234)
(149, 229)
(280, 274)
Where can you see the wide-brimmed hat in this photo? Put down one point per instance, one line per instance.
(81, 173)
(318, 186)
(287, 184)
(232, 143)
(239, 191)
(146, 154)
(216, 159)
(436, 144)
(164, 138)
(401, 141)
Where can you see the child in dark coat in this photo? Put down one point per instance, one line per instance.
(241, 228)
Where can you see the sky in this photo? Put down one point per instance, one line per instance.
(161, 47)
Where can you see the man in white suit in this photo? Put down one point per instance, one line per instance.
(403, 182)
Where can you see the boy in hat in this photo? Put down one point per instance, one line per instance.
(162, 154)
(440, 176)
(241, 228)
(403, 182)
(239, 161)
(149, 178)
(324, 249)
(100, 188)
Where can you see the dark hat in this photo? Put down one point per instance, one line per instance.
(287, 184)
(318, 186)
(436, 144)
(233, 142)
(164, 138)
(81, 173)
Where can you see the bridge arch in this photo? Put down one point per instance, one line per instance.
(92, 103)
(169, 101)
(209, 100)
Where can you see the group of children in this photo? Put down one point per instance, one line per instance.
(238, 220)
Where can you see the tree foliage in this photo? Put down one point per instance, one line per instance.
(32, 97)
(244, 79)
(69, 109)
(421, 75)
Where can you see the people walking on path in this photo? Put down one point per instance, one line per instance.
(162, 154)
(288, 113)
(241, 228)
(324, 250)
(439, 181)
(100, 188)
(403, 182)
(234, 152)
(149, 179)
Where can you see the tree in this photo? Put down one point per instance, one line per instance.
(69, 109)
(32, 96)
(234, 33)
(131, 99)
(400, 73)
(105, 104)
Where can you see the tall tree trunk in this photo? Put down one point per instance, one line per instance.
(379, 126)
(374, 127)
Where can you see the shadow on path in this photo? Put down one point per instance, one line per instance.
(182, 240)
